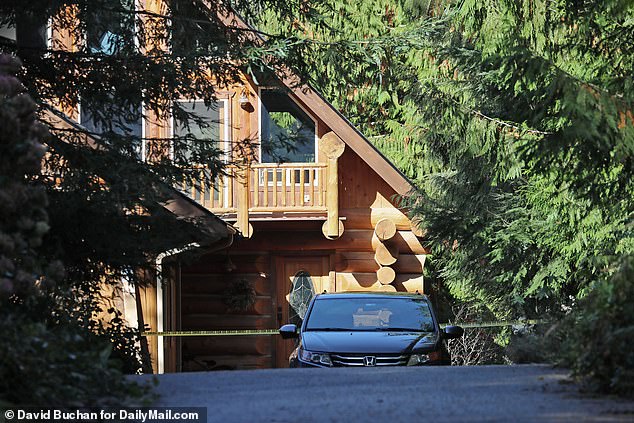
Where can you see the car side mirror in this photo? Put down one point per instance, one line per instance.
(452, 332)
(288, 331)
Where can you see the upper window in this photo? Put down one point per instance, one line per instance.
(288, 133)
(111, 30)
(199, 129)
(120, 122)
(108, 121)
(193, 33)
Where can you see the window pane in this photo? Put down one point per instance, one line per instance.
(200, 129)
(302, 292)
(109, 30)
(288, 134)
(125, 124)
(120, 123)
(193, 33)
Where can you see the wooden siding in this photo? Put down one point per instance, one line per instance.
(286, 205)
(147, 301)
(364, 200)
(203, 288)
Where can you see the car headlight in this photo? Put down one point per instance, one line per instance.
(418, 359)
(315, 357)
(428, 358)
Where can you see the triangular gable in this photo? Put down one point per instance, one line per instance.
(327, 113)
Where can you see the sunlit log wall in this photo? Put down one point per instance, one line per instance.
(364, 201)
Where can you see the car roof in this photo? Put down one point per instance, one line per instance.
(366, 294)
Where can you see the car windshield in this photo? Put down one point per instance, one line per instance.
(370, 314)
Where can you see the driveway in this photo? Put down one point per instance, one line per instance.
(526, 393)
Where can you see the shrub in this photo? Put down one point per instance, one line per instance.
(598, 336)
(477, 345)
(60, 366)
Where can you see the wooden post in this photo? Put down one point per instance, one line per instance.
(333, 147)
(242, 186)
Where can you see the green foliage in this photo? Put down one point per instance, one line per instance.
(532, 128)
(360, 59)
(54, 351)
(515, 120)
(97, 207)
(598, 335)
(60, 365)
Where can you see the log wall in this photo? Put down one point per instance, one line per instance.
(203, 291)
(365, 200)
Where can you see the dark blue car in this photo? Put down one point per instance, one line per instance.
(369, 329)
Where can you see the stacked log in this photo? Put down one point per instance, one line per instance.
(386, 275)
(417, 228)
(385, 229)
(386, 253)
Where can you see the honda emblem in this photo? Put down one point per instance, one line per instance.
(369, 361)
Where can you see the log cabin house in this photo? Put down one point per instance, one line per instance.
(319, 215)
(324, 218)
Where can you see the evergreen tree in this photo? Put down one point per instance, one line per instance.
(515, 119)
(363, 58)
(533, 127)
(103, 220)
(52, 352)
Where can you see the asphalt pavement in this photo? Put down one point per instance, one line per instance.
(526, 393)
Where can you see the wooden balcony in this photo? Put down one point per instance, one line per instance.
(261, 190)
(296, 187)
(287, 187)
(215, 196)
(264, 189)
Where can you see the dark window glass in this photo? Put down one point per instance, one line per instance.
(200, 124)
(198, 134)
(124, 124)
(193, 33)
(288, 134)
(111, 30)
(363, 314)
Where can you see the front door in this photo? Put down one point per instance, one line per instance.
(298, 280)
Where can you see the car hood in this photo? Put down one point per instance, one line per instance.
(368, 342)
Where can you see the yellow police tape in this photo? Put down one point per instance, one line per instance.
(259, 332)
(497, 324)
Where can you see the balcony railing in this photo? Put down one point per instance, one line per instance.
(217, 195)
(310, 188)
(288, 187)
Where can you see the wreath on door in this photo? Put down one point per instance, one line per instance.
(240, 295)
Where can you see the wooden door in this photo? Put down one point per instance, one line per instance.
(291, 271)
